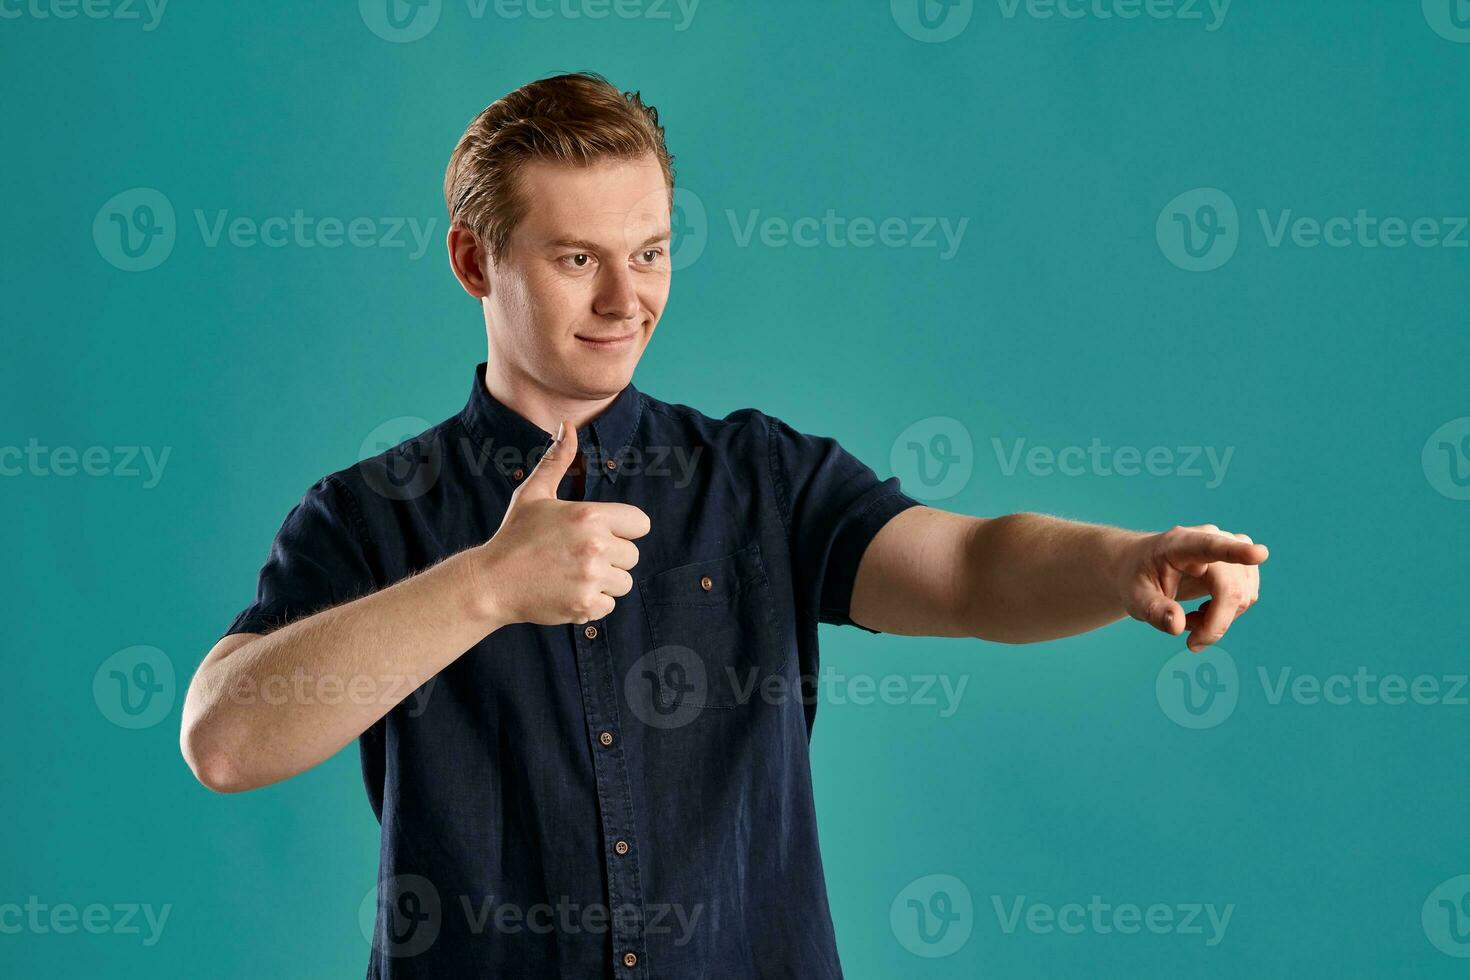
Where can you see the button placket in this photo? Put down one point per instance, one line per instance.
(614, 797)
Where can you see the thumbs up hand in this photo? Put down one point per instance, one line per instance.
(558, 561)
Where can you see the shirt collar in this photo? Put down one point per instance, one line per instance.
(514, 442)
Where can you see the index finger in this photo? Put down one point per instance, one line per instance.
(624, 520)
(1206, 546)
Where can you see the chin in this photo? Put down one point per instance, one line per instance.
(604, 378)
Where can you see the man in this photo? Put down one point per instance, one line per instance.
(597, 764)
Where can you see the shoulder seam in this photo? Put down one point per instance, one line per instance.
(667, 410)
(778, 484)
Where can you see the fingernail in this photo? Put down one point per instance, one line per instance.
(560, 426)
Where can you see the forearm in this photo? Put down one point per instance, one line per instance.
(285, 701)
(1032, 577)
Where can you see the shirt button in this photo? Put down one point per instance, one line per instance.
(591, 632)
(706, 583)
(630, 960)
(612, 464)
(621, 847)
(518, 473)
(605, 738)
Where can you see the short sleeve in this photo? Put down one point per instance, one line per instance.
(316, 561)
(833, 505)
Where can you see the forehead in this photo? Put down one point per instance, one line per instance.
(608, 200)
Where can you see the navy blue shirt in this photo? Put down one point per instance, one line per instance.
(630, 797)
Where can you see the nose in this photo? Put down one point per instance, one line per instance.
(616, 297)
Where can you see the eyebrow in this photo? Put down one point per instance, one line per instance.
(581, 244)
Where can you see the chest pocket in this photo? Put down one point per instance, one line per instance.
(713, 628)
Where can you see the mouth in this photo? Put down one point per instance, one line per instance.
(614, 342)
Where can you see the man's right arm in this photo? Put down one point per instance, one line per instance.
(552, 561)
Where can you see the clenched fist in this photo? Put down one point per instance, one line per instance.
(559, 561)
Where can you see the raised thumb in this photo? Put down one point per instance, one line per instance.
(552, 466)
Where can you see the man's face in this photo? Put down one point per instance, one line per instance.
(575, 299)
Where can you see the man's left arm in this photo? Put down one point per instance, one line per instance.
(1024, 578)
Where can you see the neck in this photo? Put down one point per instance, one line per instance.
(533, 401)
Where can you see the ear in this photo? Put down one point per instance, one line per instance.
(468, 260)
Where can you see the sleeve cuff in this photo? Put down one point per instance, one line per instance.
(847, 553)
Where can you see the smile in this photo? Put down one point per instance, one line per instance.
(608, 343)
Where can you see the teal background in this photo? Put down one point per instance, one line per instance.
(1060, 319)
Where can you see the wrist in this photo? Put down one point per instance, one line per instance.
(1124, 554)
(475, 580)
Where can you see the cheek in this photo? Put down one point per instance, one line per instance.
(654, 296)
(552, 298)
(534, 304)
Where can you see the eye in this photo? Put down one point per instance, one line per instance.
(578, 261)
(650, 256)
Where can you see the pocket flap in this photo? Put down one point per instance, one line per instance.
(712, 582)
